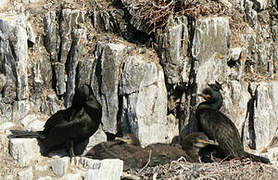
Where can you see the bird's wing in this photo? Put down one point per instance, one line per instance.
(220, 128)
(59, 117)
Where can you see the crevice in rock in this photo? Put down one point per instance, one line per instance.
(30, 44)
(252, 103)
(190, 89)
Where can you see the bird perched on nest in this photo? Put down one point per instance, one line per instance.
(70, 126)
(129, 150)
(219, 127)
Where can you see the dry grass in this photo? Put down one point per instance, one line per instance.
(233, 169)
(156, 12)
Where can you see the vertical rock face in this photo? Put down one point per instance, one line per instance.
(174, 46)
(109, 58)
(14, 55)
(210, 48)
(144, 101)
(13, 60)
(65, 43)
(266, 115)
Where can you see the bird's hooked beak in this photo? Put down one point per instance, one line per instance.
(208, 141)
(205, 96)
(123, 139)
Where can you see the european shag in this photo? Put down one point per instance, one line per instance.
(134, 156)
(193, 143)
(219, 127)
(70, 126)
(121, 148)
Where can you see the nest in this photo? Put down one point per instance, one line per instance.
(182, 169)
(156, 13)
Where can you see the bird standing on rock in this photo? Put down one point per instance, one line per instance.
(70, 126)
(219, 127)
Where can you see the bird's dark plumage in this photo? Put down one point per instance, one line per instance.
(69, 126)
(193, 143)
(134, 156)
(219, 127)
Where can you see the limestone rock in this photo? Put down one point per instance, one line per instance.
(36, 125)
(6, 125)
(24, 150)
(26, 174)
(45, 178)
(102, 169)
(20, 109)
(13, 33)
(108, 20)
(4, 3)
(144, 101)
(72, 177)
(6, 114)
(266, 114)
(85, 70)
(210, 48)
(108, 67)
(78, 38)
(173, 47)
(60, 166)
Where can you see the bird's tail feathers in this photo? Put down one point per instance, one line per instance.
(257, 158)
(26, 134)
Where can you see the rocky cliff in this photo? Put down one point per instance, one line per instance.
(145, 60)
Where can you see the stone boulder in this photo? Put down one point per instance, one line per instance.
(144, 101)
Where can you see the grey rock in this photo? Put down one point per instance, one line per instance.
(3, 81)
(20, 109)
(9, 177)
(266, 114)
(85, 70)
(210, 48)
(45, 178)
(79, 37)
(110, 58)
(173, 47)
(35, 125)
(237, 63)
(24, 150)
(61, 78)
(4, 3)
(144, 101)
(6, 112)
(6, 125)
(29, 118)
(108, 20)
(26, 174)
(100, 169)
(60, 166)
(52, 40)
(72, 177)
(13, 34)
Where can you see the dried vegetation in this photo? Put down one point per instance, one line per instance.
(156, 13)
(181, 169)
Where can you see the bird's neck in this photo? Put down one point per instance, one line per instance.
(205, 105)
(215, 102)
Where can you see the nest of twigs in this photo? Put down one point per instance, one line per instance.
(233, 169)
(156, 12)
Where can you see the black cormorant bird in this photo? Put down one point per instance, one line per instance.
(70, 126)
(219, 127)
(134, 156)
